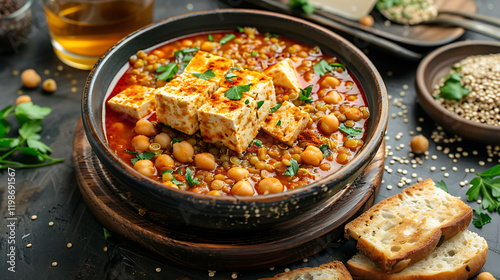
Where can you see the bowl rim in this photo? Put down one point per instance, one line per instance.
(424, 93)
(361, 159)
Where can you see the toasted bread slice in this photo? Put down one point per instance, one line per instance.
(461, 257)
(328, 271)
(405, 228)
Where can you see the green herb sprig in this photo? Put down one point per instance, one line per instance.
(236, 92)
(323, 67)
(146, 155)
(482, 218)
(305, 94)
(227, 38)
(174, 180)
(350, 131)
(306, 7)
(452, 88)
(293, 168)
(442, 185)
(486, 185)
(325, 150)
(190, 179)
(209, 74)
(29, 117)
(276, 108)
(167, 71)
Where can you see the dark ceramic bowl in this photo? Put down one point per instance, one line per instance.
(437, 64)
(232, 213)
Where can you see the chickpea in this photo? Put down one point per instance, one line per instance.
(485, 276)
(163, 139)
(49, 85)
(145, 167)
(207, 46)
(30, 78)
(145, 127)
(353, 114)
(329, 124)
(163, 162)
(183, 152)
(214, 192)
(217, 184)
(140, 142)
(205, 161)
(270, 185)
(23, 99)
(312, 155)
(333, 97)
(242, 188)
(330, 81)
(238, 173)
(367, 20)
(419, 144)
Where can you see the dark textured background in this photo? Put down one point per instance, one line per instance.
(52, 193)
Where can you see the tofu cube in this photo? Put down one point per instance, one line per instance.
(136, 101)
(230, 122)
(284, 75)
(178, 102)
(204, 61)
(287, 123)
(261, 90)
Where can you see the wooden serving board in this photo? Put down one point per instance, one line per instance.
(149, 231)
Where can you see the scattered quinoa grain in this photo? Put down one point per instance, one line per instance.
(51, 223)
(54, 263)
(234, 275)
(34, 217)
(433, 168)
(69, 245)
(105, 249)
(158, 269)
(29, 245)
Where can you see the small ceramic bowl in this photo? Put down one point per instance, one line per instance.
(228, 212)
(437, 64)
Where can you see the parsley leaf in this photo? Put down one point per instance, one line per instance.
(254, 53)
(306, 7)
(240, 29)
(259, 104)
(336, 65)
(442, 185)
(247, 101)
(293, 168)
(175, 140)
(452, 88)
(278, 123)
(146, 155)
(206, 75)
(275, 108)
(488, 187)
(27, 111)
(269, 35)
(322, 67)
(483, 218)
(257, 143)
(190, 179)
(325, 150)
(227, 38)
(181, 54)
(230, 75)
(305, 94)
(350, 131)
(167, 71)
(174, 180)
(236, 92)
(210, 38)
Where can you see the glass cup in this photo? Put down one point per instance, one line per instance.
(82, 30)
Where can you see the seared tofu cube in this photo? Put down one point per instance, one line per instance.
(136, 101)
(178, 102)
(286, 123)
(261, 90)
(230, 122)
(284, 75)
(204, 61)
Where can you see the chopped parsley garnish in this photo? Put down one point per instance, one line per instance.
(305, 94)
(210, 38)
(190, 179)
(275, 108)
(206, 75)
(254, 53)
(442, 185)
(306, 7)
(236, 92)
(167, 71)
(486, 184)
(269, 35)
(452, 88)
(240, 29)
(259, 104)
(350, 131)
(230, 75)
(293, 168)
(457, 68)
(325, 150)
(146, 155)
(227, 38)
(247, 101)
(483, 218)
(174, 180)
(278, 123)
(257, 143)
(175, 140)
(181, 54)
(322, 67)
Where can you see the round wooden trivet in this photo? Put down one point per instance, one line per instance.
(149, 231)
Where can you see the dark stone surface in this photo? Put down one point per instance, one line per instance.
(51, 192)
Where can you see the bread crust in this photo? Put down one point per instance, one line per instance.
(340, 270)
(424, 239)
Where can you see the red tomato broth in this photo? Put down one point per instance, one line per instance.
(120, 129)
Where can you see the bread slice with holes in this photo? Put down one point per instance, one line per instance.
(461, 257)
(405, 228)
(328, 271)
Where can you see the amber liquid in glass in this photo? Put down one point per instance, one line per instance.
(89, 28)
